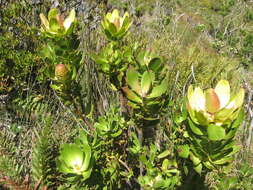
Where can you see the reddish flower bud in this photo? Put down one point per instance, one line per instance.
(61, 71)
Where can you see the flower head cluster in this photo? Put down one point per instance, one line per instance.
(114, 26)
(215, 106)
(56, 25)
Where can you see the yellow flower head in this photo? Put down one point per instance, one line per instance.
(55, 25)
(114, 26)
(216, 105)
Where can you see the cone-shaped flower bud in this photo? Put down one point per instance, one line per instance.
(212, 101)
(61, 72)
(214, 105)
(114, 26)
(55, 25)
(75, 160)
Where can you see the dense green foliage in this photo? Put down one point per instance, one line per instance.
(98, 100)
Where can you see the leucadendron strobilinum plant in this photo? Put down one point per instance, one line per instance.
(140, 75)
(60, 53)
(114, 58)
(142, 80)
(214, 117)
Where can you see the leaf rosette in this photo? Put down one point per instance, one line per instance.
(55, 25)
(75, 160)
(113, 61)
(214, 117)
(114, 26)
(111, 124)
(146, 85)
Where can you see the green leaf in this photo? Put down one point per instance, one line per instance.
(178, 119)
(163, 154)
(165, 164)
(195, 160)
(221, 150)
(48, 52)
(198, 168)
(44, 21)
(208, 165)
(83, 137)
(186, 170)
(71, 154)
(223, 161)
(100, 60)
(126, 23)
(146, 83)
(133, 105)
(233, 182)
(108, 34)
(235, 150)
(136, 144)
(132, 78)
(86, 174)
(230, 134)
(198, 117)
(230, 144)
(141, 57)
(105, 67)
(216, 132)
(62, 166)
(239, 119)
(223, 114)
(121, 33)
(183, 150)
(131, 95)
(195, 129)
(159, 90)
(54, 25)
(74, 73)
(55, 87)
(53, 13)
(155, 64)
(112, 29)
(151, 118)
(87, 158)
(117, 133)
(143, 159)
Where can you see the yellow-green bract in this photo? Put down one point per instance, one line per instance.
(114, 26)
(56, 25)
(214, 106)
